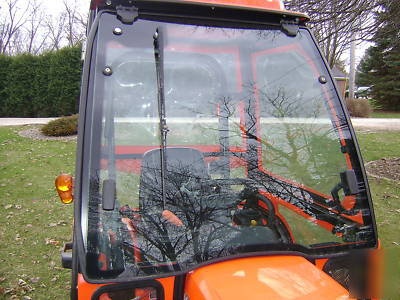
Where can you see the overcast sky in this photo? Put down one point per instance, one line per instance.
(54, 7)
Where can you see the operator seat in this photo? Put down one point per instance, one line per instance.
(185, 168)
(204, 212)
(185, 173)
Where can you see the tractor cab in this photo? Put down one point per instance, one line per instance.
(215, 159)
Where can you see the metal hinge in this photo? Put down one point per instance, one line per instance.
(127, 14)
(66, 256)
(290, 28)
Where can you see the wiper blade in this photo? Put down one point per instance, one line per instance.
(159, 59)
(109, 185)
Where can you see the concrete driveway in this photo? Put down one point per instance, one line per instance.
(376, 124)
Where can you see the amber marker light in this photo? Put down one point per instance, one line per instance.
(64, 188)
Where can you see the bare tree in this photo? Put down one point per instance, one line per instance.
(75, 23)
(12, 18)
(25, 27)
(34, 40)
(55, 30)
(335, 21)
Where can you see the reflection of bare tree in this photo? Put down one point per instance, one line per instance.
(278, 122)
(297, 151)
(236, 33)
(296, 135)
(202, 209)
(298, 140)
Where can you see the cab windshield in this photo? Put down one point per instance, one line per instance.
(208, 142)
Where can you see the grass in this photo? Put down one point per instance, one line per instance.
(34, 224)
(386, 196)
(385, 114)
(378, 145)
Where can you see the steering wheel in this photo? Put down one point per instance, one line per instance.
(252, 213)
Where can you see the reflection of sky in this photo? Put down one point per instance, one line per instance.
(289, 278)
(299, 286)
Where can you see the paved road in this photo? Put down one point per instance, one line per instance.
(358, 123)
(23, 121)
(376, 124)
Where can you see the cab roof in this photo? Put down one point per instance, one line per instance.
(274, 7)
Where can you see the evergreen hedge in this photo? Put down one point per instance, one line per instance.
(46, 85)
(5, 62)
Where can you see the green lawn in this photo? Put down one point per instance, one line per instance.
(386, 197)
(34, 224)
(385, 114)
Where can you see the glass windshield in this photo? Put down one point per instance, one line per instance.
(258, 155)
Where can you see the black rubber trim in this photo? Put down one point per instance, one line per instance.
(357, 266)
(283, 252)
(81, 162)
(130, 285)
(74, 273)
(179, 287)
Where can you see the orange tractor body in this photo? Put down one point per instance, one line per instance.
(215, 160)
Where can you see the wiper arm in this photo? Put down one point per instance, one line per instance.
(109, 185)
(159, 59)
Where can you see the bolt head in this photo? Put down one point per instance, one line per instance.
(107, 71)
(117, 31)
(322, 79)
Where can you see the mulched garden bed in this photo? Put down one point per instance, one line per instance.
(385, 167)
(36, 134)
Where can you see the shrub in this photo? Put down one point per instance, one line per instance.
(61, 127)
(359, 107)
(375, 104)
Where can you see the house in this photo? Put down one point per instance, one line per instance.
(341, 80)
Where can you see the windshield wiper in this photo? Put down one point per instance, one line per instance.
(109, 185)
(159, 59)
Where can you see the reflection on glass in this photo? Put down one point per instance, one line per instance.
(254, 147)
(130, 294)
